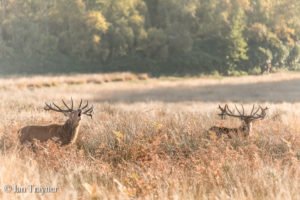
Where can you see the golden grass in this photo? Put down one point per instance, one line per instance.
(77, 79)
(148, 140)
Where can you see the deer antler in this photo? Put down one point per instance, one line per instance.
(223, 111)
(253, 115)
(226, 111)
(70, 109)
(57, 108)
(88, 111)
(262, 114)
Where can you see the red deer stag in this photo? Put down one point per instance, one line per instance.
(246, 127)
(64, 133)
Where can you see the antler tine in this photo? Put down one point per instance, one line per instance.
(259, 108)
(256, 112)
(48, 107)
(261, 115)
(238, 110)
(223, 112)
(263, 110)
(65, 104)
(57, 109)
(90, 115)
(252, 109)
(72, 103)
(86, 105)
(80, 104)
(89, 112)
(222, 109)
(243, 109)
(228, 110)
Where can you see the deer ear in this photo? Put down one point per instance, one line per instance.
(66, 114)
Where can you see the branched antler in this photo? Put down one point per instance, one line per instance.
(255, 114)
(89, 112)
(57, 108)
(86, 110)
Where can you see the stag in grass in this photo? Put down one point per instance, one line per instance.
(63, 133)
(246, 127)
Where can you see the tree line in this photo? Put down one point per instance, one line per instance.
(158, 36)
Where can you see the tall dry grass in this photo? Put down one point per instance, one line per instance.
(148, 150)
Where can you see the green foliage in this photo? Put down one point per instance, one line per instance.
(237, 73)
(237, 48)
(158, 36)
(294, 57)
(255, 71)
(281, 53)
(264, 55)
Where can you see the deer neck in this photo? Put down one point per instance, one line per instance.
(70, 131)
(246, 128)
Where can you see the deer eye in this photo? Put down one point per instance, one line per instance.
(79, 114)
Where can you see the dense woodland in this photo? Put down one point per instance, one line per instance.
(157, 36)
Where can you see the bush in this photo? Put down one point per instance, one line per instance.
(255, 71)
(237, 73)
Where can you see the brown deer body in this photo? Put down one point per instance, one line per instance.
(64, 133)
(245, 129)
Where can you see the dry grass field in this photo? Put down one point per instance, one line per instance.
(148, 139)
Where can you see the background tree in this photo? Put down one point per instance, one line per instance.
(237, 46)
(294, 57)
(157, 36)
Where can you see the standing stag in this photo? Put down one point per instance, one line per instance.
(64, 133)
(246, 128)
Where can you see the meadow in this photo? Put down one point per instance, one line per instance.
(148, 138)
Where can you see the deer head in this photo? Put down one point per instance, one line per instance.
(74, 115)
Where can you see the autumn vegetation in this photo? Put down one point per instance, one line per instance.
(148, 139)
